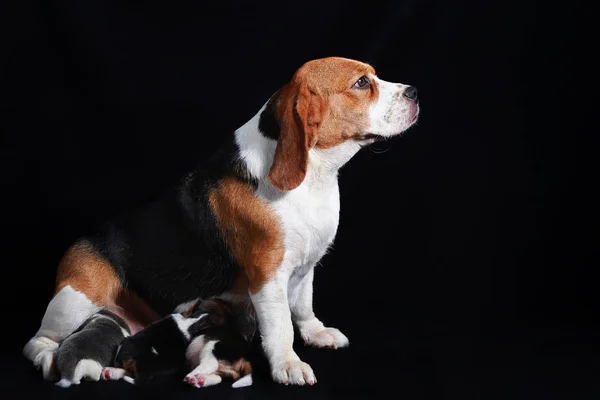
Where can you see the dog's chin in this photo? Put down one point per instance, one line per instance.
(372, 137)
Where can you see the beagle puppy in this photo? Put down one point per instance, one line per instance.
(251, 222)
(212, 336)
(90, 348)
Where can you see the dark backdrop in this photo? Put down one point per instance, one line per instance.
(463, 263)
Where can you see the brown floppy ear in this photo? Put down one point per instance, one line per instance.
(300, 112)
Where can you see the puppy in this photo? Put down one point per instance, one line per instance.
(157, 350)
(214, 336)
(92, 347)
(222, 343)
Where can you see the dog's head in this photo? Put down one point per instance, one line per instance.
(334, 103)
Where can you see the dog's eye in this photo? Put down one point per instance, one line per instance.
(362, 83)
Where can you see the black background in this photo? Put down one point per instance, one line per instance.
(464, 261)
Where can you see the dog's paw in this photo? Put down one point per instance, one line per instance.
(315, 334)
(202, 380)
(329, 337)
(291, 370)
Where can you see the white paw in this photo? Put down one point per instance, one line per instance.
(292, 371)
(328, 337)
(202, 380)
(112, 374)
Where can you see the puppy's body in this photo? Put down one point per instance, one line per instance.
(92, 347)
(210, 330)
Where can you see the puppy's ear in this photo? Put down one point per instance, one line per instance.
(300, 112)
(217, 313)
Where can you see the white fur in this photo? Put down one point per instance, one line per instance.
(184, 323)
(207, 364)
(243, 382)
(65, 313)
(63, 383)
(114, 374)
(41, 349)
(392, 113)
(309, 217)
(184, 306)
(85, 369)
(194, 349)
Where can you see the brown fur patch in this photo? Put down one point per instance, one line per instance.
(88, 272)
(236, 370)
(250, 229)
(135, 311)
(319, 108)
(130, 366)
(226, 370)
(188, 311)
(243, 366)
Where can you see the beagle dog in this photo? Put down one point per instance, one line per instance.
(250, 223)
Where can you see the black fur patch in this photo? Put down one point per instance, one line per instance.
(171, 251)
(137, 356)
(268, 123)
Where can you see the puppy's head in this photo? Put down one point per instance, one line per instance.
(335, 102)
(158, 349)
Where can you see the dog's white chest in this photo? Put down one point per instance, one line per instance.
(309, 216)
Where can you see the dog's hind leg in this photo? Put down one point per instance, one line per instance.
(85, 283)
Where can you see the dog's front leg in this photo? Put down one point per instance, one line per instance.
(275, 322)
(312, 330)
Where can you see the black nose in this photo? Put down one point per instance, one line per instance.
(410, 93)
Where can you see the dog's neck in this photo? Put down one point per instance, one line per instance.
(257, 152)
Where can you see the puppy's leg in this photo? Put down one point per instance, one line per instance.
(85, 283)
(244, 369)
(205, 373)
(112, 374)
(243, 382)
(275, 322)
(312, 330)
(85, 369)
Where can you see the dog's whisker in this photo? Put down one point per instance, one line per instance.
(377, 151)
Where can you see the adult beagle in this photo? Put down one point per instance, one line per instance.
(250, 223)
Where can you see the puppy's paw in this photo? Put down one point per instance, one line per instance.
(110, 373)
(291, 370)
(202, 380)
